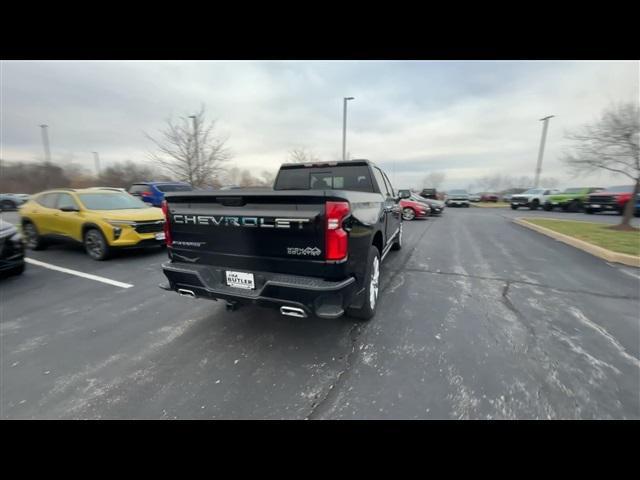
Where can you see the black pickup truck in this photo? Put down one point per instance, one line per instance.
(311, 246)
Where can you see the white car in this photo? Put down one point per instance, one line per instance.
(533, 198)
(457, 198)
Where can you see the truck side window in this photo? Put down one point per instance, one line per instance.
(380, 180)
(389, 186)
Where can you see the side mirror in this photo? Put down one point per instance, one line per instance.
(70, 209)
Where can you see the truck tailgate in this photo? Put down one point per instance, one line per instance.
(281, 232)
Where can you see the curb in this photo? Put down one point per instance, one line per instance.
(608, 255)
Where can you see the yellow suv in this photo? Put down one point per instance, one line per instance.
(102, 219)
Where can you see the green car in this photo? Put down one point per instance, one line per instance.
(571, 200)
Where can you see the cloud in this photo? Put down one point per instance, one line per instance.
(466, 118)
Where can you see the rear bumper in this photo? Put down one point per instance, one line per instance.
(316, 296)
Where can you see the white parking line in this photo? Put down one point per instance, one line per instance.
(78, 274)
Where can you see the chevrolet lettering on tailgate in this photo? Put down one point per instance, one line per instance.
(239, 221)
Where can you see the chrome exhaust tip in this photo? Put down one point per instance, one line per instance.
(293, 312)
(186, 293)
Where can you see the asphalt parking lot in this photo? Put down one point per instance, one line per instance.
(478, 318)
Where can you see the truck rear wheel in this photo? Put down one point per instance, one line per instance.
(372, 279)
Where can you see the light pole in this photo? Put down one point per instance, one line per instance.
(45, 143)
(541, 151)
(96, 160)
(344, 127)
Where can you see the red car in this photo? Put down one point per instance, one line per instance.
(489, 197)
(613, 199)
(411, 209)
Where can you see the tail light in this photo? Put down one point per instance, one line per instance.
(167, 231)
(336, 239)
(146, 194)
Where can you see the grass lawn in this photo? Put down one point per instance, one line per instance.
(595, 233)
(490, 204)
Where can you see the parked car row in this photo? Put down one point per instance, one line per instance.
(588, 199)
(103, 219)
(416, 206)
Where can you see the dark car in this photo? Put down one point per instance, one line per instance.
(429, 193)
(11, 250)
(153, 192)
(436, 206)
(311, 246)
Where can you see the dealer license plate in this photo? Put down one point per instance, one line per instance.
(240, 280)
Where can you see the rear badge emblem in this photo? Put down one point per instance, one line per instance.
(314, 252)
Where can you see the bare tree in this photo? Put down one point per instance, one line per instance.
(612, 144)
(433, 180)
(302, 155)
(123, 174)
(32, 177)
(268, 178)
(190, 151)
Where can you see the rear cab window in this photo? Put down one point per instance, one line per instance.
(332, 177)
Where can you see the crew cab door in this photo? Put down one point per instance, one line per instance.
(391, 211)
(394, 215)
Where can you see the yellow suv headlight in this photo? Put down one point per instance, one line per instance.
(119, 223)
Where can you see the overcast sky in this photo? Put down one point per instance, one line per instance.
(468, 119)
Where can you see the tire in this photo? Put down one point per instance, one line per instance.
(408, 214)
(621, 208)
(574, 206)
(534, 205)
(7, 205)
(33, 240)
(514, 207)
(96, 245)
(19, 270)
(547, 207)
(397, 244)
(590, 211)
(371, 292)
